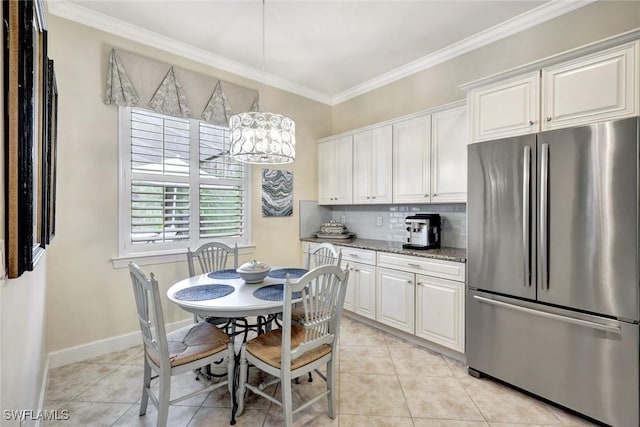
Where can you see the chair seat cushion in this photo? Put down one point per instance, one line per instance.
(194, 342)
(267, 347)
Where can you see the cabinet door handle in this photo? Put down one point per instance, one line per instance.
(354, 255)
(410, 264)
(409, 282)
(419, 283)
(373, 197)
(531, 123)
(368, 197)
(548, 119)
(434, 194)
(426, 195)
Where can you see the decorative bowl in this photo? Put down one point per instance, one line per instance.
(254, 271)
(332, 227)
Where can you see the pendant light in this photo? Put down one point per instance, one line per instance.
(260, 137)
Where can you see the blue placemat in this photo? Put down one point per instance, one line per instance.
(230, 273)
(203, 292)
(273, 293)
(294, 273)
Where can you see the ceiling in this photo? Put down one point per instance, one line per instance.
(328, 51)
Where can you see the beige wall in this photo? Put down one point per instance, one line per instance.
(439, 85)
(88, 299)
(23, 344)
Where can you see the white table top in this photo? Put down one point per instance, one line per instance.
(240, 303)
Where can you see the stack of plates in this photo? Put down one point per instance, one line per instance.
(333, 230)
(346, 235)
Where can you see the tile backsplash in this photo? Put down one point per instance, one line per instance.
(386, 222)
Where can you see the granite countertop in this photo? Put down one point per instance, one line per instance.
(447, 254)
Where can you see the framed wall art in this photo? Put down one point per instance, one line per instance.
(277, 192)
(27, 134)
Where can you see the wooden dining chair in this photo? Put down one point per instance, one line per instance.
(210, 257)
(300, 347)
(323, 254)
(187, 349)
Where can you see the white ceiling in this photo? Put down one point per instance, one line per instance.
(329, 51)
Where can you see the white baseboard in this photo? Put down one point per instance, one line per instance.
(102, 347)
(43, 389)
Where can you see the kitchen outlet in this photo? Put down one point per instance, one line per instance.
(379, 221)
(343, 219)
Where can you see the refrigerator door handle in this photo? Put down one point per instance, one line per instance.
(544, 207)
(572, 320)
(526, 205)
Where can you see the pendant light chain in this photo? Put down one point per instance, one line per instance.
(259, 137)
(264, 60)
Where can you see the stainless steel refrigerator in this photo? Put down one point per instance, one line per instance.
(552, 268)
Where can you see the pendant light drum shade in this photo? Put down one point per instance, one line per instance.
(259, 137)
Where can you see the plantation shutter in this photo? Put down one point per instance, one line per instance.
(160, 164)
(159, 212)
(180, 188)
(221, 192)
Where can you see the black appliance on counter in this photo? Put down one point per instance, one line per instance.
(424, 231)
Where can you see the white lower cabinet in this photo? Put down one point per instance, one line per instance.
(361, 290)
(432, 305)
(350, 296)
(440, 311)
(418, 295)
(395, 299)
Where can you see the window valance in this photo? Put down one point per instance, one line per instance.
(135, 80)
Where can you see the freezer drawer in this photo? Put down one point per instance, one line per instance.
(586, 363)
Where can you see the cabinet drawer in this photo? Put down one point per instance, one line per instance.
(358, 255)
(429, 266)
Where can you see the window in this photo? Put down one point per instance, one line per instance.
(178, 187)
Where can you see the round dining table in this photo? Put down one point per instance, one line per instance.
(230, 297)
(224, 294)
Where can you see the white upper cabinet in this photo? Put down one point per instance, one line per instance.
(372, 165)
(335, 171)
(505, 109)
(411, 160)
(594, 88)
(598, 86)
(449, 139)
(407, 160)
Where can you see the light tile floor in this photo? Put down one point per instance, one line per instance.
(382, 381)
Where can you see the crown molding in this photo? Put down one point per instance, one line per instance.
(545, 12)
(84, 16)
(519, 23)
